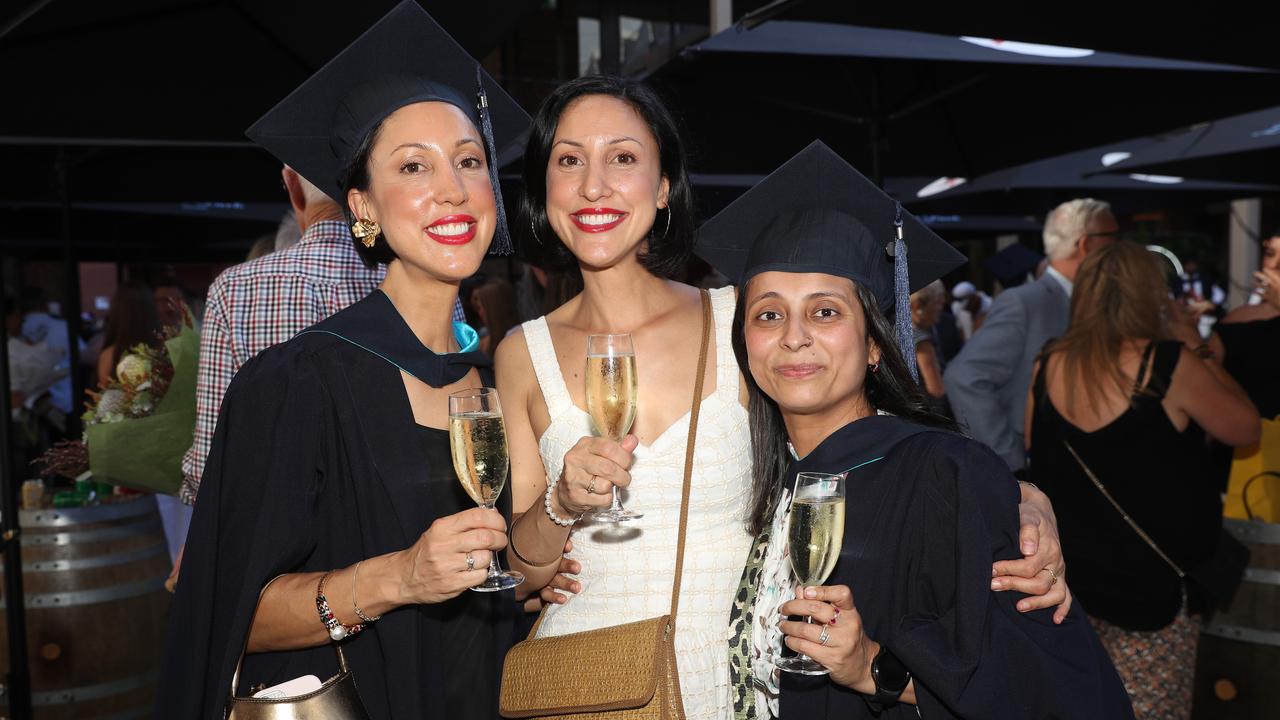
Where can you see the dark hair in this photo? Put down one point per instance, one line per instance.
(890, 389)
(133, 320)
(669, 250)
(498, 298)
(356, 177)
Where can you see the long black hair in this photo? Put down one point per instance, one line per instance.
(891, 389)
(671, 238)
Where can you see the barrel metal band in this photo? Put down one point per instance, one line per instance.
(1244, 634)
(88, 597)
(94, 692)
(134, 714)
(1253, 531)
(1262, 576)
(62, 517)
(73, 538)
(123, 558)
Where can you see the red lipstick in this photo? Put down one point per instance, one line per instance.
(598, 219)
(452, 230)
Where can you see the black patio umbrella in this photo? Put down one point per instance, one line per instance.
(714, 192)
(905, 103)
(1123, 28)
(1037, 186)
(1242, 148)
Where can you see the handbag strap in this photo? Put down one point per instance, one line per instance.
(688, 450)
(1132, 523)
(235, 677)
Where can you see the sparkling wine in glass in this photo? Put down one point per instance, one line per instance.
(611, 401)
(815, 533)
(478, 443)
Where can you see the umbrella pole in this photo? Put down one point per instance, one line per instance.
(17, 682)
(71, 296)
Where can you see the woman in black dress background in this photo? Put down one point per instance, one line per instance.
(1128, 388)
(1251, 336)
(329, 460)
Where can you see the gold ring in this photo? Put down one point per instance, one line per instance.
(1053, 575)
(591, 486)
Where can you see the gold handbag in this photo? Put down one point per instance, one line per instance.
(336, 699)
(559, 677)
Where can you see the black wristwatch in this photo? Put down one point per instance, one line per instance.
(891, 678)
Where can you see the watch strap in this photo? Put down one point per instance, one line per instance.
(891, 678)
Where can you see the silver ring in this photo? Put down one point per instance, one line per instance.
(824, 637)
(471, 562)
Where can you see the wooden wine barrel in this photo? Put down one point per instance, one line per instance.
(1238, 663)
(96, 606)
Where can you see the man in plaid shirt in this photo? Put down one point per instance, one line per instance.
(267, 301)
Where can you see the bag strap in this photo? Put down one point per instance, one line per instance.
(1145, 365)
(1145, 537)
(688, 450)
(235, 677)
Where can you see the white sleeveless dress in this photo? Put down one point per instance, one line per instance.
(628, 580)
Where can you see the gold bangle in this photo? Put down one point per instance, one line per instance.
(511, 543)
(360, 613)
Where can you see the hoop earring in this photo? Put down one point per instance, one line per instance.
(367, 231)
(534, 230)
(668, 229)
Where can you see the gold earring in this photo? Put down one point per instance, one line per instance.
(367, 231)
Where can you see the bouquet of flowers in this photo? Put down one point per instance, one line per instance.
(139, 426)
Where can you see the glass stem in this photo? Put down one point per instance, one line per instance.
(617, 504)
(808, 620)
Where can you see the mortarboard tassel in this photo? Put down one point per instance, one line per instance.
(501, 236)
(902, 298)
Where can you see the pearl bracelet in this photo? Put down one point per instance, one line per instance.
(546, 503)
(337, 630)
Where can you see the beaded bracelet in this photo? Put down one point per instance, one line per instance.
(546, 503)
(337, 630)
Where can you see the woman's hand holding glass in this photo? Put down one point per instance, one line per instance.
(436, 567)
(847, 652)
(592, 469)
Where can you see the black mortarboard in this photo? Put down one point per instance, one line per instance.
(1011, 265)
(816, 213)
(403, 59)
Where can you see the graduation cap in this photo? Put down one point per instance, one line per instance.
(817, 214)
(405, 58)
(1011, 265)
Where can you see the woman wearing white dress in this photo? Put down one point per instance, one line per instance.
(606, 191)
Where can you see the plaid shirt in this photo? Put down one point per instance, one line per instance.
(265, 302)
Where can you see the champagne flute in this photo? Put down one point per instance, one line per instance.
(815, 533)
(611, 401)
(478, 443)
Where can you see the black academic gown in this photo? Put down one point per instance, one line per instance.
(926, 514)
(316, 463)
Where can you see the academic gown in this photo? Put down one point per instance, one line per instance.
(926, 513)
(317, 463)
